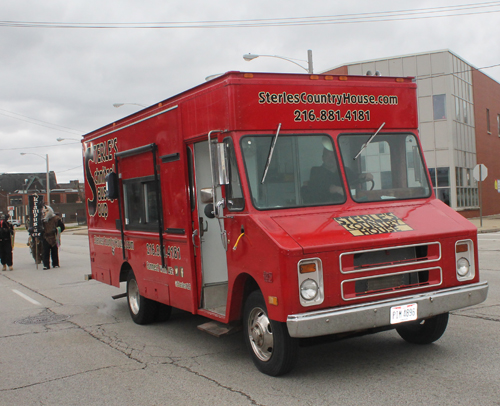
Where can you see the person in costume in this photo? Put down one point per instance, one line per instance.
(52, 229)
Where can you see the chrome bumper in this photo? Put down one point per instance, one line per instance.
(377, 314)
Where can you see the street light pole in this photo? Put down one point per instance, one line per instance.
(47, 181)
(309, 69)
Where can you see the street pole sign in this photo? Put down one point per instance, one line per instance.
(480, 172)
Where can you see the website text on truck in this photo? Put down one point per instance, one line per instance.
(297, 205)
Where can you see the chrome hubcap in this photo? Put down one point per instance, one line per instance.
(260, 334)
(133, 296)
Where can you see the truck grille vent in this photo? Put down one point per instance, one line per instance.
(368, 260)
(388, 284)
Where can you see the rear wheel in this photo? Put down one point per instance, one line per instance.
(142, 310)
(424, 331)
(272, 349)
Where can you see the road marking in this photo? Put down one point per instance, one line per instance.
(26, 297)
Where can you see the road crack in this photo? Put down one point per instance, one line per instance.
(57, 379)
(220, 385)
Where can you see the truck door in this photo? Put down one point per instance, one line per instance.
(211, 261)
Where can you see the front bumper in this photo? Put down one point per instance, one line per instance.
(377, 314)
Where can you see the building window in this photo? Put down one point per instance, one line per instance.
(488, 128)
(466, 195)
(439, 106)
(459, 176)
(466, 118)
(457, 109)
(440, 178)
(498, 124)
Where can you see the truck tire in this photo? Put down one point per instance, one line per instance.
(142, 310)
(271, 348)
(424, 331)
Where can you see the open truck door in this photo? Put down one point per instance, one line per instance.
(209, 236)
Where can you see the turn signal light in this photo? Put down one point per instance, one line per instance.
(307, 268)
(461, 248)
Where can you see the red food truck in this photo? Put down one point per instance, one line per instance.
(298, 206)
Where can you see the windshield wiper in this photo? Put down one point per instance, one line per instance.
(368, 142)
(269, 157)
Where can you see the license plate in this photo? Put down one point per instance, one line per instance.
(403, 313)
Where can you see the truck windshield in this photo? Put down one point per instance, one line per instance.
(304, 171)
(389, 168)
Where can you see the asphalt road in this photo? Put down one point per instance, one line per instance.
(65, 341)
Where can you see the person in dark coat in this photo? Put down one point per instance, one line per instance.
(52, 226)
(6, 233)
(325, 183)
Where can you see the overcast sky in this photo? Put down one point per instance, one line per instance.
(62, 82)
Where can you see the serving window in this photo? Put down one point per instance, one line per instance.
(141, 209)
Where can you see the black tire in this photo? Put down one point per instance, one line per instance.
(142, 310)
(164, 312)
(271, 348)
(424, 331)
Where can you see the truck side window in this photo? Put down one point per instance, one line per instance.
(141, 210)
(234, 193)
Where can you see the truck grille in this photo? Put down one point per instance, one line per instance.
(391, 283)
(368, 260)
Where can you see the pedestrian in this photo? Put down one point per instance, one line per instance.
(6, 237)
(52, 228)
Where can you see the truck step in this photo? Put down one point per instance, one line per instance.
(220, 329)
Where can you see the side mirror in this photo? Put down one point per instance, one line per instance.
(111, 185)
(219, 163)
(223, 164)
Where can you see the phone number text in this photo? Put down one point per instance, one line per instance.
(331, 115)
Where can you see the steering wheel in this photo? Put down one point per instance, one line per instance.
(372, 184)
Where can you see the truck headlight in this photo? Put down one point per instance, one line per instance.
(310, 282)
(464, 257)
(309, 289)
(463, 267)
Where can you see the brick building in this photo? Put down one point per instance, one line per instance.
(66, 199)
(459, 123)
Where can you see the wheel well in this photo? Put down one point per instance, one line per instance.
(124, 271)
(243, 286)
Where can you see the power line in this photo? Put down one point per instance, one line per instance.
(396, 15)
(40, 123)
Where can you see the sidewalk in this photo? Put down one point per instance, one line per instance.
(83, 230)
(491, 224)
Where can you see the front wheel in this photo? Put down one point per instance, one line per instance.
(142, 310)
(424, 331)
(272, 349)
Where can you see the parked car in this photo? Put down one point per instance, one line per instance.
(14, 222)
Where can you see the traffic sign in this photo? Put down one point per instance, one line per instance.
(480, 172)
